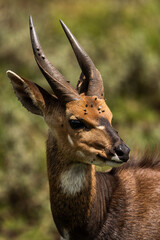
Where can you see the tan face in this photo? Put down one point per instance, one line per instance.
(84, 131)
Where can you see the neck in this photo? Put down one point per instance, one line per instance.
(78, 201)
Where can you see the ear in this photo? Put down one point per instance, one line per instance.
(34, 98)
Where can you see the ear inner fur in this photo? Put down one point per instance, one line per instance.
(31, 95)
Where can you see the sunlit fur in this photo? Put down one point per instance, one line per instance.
(84, 144)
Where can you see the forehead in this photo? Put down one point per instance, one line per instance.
(91, 109)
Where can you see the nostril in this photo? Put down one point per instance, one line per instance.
(119, 151)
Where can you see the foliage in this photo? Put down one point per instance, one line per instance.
(122, 37)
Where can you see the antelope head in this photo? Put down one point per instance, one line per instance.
(78, 118)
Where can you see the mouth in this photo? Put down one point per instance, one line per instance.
(113, 162)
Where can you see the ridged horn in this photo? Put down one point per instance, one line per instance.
(62, 89)
(92, 76)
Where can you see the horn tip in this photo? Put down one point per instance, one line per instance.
(66, 29)
(30, 20)
(31, 25)
(62, 23)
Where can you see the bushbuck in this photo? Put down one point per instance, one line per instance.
(122, 203)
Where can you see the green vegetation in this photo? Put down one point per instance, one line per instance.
(122, 38)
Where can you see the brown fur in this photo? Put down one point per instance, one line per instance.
(121, 204)
(92, 106)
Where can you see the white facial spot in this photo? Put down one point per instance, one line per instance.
(101, 127)
(80, 154)
(70, 140)
(73, 179)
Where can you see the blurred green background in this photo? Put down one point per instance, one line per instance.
(123, 39)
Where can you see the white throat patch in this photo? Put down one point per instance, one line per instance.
(73, 179)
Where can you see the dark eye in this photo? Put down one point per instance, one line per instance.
(76, 124)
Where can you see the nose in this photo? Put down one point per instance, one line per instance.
(122, 152)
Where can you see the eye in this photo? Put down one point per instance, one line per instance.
(77, 124)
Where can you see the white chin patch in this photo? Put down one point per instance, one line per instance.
(116, 158)
(115, 161)
(73, 179)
